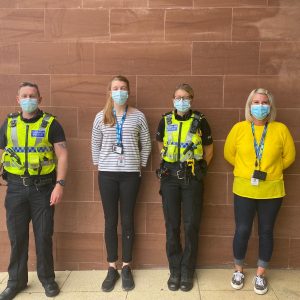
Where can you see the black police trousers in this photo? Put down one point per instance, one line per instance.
(23, 204)
(179, 196)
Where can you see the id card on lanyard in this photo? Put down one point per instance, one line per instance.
(258, 174)
(118, 146)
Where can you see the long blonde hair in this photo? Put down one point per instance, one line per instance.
(108, 116)
(272, 114)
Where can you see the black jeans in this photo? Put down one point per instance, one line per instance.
(115, 186)
(176, 196)
(24, 204)
(244, 211)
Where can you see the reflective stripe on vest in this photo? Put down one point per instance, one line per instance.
(187, 138)
(28, 147)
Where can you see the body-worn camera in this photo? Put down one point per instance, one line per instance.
(259, 175)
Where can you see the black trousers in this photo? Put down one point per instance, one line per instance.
(115, 186)
(23, 204)
(179, 196)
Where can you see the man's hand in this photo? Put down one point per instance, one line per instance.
(56, 195)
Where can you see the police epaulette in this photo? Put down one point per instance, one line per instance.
(48, 114)
(200, 114)
(13, 115)
(168, 113)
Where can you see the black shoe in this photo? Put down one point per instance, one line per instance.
(174, 282)
(127, 279)
(110, 280)
(10, 293)
(186, 283)
(51, 289)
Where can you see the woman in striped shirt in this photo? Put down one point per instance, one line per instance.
(121, 145)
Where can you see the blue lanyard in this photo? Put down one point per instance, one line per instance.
(259, 148)
(119, 126)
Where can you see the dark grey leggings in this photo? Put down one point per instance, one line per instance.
(244, 211)
(115, 186)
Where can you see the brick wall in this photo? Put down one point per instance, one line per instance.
(223, 48)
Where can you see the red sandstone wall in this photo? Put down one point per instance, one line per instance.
(223, 48)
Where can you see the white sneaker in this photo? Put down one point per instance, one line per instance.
(237, 280)
(260, 285)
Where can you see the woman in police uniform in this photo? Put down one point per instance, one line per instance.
(186, 145)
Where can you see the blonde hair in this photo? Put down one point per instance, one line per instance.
(272, 115)
(108, 116)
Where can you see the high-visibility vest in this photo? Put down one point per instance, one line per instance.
(182, 139)
(28, 147)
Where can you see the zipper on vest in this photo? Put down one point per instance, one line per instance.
(179, 139)
(26, 149)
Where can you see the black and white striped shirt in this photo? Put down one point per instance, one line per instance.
(135, 139)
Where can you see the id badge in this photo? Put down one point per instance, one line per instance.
(254, 181)
(117, 149)
(121, 160)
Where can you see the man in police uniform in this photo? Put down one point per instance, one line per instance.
(34, 160)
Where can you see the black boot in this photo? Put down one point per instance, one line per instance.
(174, 281)
(10, 293)
(51, 289)
(186, 282)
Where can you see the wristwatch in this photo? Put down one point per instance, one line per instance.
(61, 182)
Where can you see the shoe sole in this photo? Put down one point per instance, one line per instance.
(128, 289)
(107, 291)
(237, 287)
(186, 290)
(260, 292)
(52, 295)
(173, 289)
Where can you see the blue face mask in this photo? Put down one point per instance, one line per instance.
(119, 97)
(182, 105)
(260, 112)
(29, 105)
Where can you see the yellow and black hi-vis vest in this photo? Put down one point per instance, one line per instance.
(182, 139)
(28, 147)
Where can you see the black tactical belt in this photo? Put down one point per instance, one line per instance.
(30, 180)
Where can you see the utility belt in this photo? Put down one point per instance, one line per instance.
(27, 180)
(183, 170)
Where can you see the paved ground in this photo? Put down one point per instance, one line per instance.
(210, 284)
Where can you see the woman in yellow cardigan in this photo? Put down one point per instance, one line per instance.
(259, 149)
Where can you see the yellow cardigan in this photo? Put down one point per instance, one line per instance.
(278, 154)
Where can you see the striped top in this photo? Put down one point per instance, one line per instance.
(135, 138)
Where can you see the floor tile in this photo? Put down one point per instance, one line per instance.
(34, 285)
(151, 280)
(3, 277)
(163, 295)
(31, 296)
(154, 280)
(219, 279)
(91, 296)
(87, 281)
(235, 295)
(287, 295)
(285, 280)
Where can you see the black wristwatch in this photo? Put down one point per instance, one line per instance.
(61, 182)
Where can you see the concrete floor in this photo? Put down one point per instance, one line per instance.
(210, 284)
